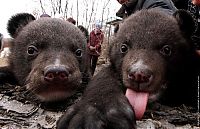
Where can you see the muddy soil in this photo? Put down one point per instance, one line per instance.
(18, 111)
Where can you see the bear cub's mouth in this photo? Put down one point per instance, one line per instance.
(140, 99)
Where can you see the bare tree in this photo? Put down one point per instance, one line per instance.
(77, 12)
(103, 11)
(65, 9)
(41, 5)
(59, 6)
(88, 13)
(71, 10)
(92, 14)
(53, 7)
(86, 10)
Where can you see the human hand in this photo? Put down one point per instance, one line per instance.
(92, 48)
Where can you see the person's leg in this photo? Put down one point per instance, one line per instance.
(90, 64)
(94, 60)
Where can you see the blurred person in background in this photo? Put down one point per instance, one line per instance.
(130, 6)
(94, 45)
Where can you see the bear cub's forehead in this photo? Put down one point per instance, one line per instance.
(52, 26)
(152, 27)
(51, 31)
(149, 21)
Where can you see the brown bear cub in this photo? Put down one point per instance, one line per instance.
(152, 58)
(48, 56)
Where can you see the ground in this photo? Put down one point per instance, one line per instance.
(16, 112)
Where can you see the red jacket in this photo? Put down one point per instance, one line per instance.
(95, 40)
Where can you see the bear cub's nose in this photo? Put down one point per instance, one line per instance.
(140, 75)
(56, 73)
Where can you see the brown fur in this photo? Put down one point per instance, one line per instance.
(45, 58)
(148, 42)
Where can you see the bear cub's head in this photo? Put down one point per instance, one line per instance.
(150, 49)
(48, 56)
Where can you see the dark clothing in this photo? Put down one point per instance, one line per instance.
(181, 4)
(195, 12)
(135, 5)
(126, 9)
(93, 63)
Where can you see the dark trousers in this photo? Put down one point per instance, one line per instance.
(93, 63)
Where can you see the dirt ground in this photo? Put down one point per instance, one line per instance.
(16, 112)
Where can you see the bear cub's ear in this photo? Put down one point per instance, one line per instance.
(17, 22)
(185, 21)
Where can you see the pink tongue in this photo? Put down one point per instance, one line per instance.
(138, 100)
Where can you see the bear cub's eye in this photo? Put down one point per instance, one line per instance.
(124, 48)
(32, 50)
(166, 50)
(78, 53)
